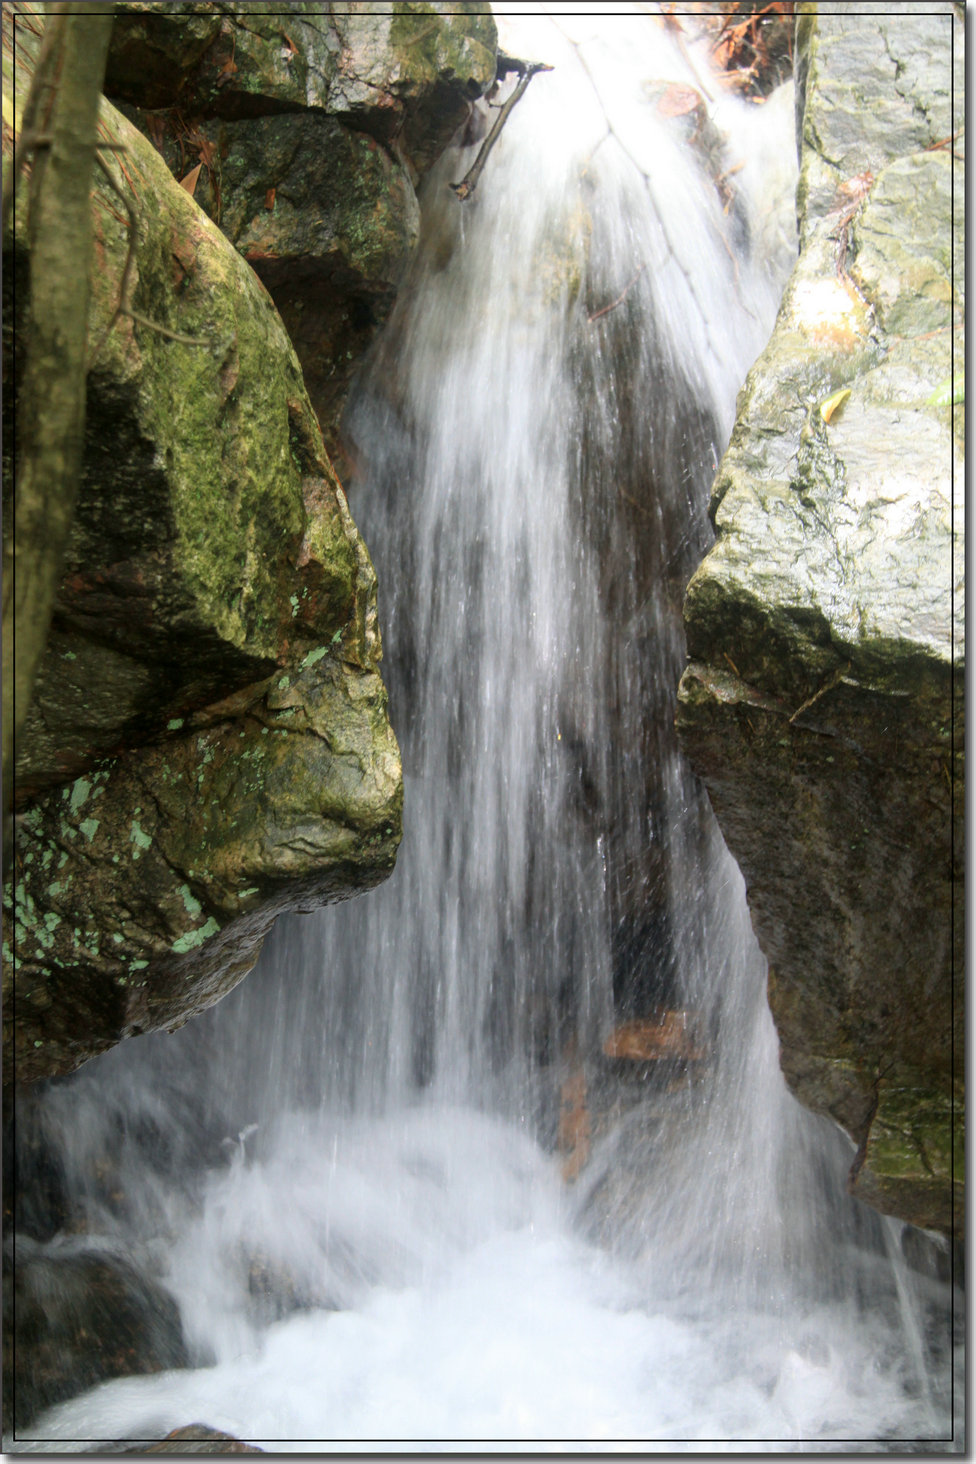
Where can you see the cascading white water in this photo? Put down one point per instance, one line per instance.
(345, 1173)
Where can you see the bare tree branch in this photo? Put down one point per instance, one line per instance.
(598, 314)
(469, 182)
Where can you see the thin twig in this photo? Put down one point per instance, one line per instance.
(620, 298)
(163, 330)
(833, 680)
(469, 182)
(130, 258)
(123, 307)
(944, 140)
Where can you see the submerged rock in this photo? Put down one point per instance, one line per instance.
(823, 703)
(209, 743)
(74, 1319)
(197, 1438)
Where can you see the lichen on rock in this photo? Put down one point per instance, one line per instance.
(209, 744)
(823, 702)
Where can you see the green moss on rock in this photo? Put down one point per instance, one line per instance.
(210, 743)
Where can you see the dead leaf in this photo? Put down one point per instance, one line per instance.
(834, 403)
(203, 145)
(678, 101)
(156, 129)
(664, 1035)
(269, 200)
(852, 190)
(190, 181)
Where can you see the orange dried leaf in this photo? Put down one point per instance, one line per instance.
(665, 1035)
(190, 181)
(858, 187)
(678, 101)
(269, 200)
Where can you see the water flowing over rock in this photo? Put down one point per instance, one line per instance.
(823, 704)
(209, 741)
(501, 1152)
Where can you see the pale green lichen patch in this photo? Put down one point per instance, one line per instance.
(191, 905)
(194, 938)
(79, 793)
(138, 836)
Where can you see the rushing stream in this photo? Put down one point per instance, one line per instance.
(402, 1184)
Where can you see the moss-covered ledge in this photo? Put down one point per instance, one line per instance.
(144, 889)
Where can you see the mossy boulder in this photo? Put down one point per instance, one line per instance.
(202, 481)
(824, 700)
(209, 744)
(144, 889)
(327, 218)
(308, 131)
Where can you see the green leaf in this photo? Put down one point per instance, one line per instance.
(952, 390)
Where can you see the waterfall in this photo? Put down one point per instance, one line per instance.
(404, 1184)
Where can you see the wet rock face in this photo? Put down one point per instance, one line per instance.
(823, 703)
(209, 743)
(197, 1438)
(309, 131)
(74, 1320)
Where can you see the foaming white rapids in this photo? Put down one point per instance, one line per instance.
(395, 1185)
(467, 1310)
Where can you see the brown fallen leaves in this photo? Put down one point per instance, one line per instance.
(751, 45)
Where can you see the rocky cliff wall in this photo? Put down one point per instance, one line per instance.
(305, 132)
(823, 703)
(209, 742)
